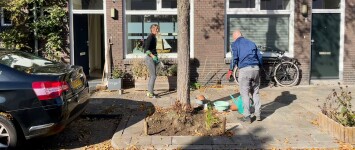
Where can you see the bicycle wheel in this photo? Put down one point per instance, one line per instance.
(235, 75)
(286, 74)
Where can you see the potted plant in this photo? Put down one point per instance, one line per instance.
(115, 81)
(337, 116)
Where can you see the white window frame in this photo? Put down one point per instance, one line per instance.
(257, 11)
(159, 11)
(72, 11)
(3, 18)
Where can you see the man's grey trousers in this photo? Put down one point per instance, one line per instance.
(249, 82)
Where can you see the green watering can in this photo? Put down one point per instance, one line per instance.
(239, 103)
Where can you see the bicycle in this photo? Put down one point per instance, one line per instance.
(284, 70)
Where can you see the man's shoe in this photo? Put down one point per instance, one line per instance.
(258, 118)
(246, 119)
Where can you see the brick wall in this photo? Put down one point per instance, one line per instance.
(209, 64)
(115, 32)
(349, 52)
(302, 38)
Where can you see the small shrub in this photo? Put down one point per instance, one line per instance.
(139, 69)
(210, 120)
(117, 73)
(195, 85)
(337, 106)
(172, 70)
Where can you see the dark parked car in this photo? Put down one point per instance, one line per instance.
(38, 97)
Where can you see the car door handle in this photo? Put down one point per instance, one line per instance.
(82, 53)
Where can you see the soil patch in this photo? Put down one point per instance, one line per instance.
(169, 122)
(89, 131)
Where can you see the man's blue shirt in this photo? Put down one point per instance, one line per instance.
(245, 53)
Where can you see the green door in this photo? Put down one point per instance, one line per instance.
(325, 45)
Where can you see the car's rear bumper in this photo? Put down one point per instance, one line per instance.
(63, 116)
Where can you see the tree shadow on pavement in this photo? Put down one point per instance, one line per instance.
(100, 121)
(285, 99)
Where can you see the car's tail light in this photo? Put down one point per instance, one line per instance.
(46, 90)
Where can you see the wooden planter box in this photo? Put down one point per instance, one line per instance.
(345, 134)
(161, 83)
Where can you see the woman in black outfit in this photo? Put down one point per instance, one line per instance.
(151, 60)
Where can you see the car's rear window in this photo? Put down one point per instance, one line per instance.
(23, 61)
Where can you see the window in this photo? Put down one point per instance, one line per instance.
(326, 4)
(275, 4)
(269, 23)
(27, 62)
(241, 3)
(267, 30)
(169, 4)
(88, 4)
(5, 17)
(139, 18)
(141, 5)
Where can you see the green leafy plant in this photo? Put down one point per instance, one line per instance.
(167, 70)
(172, 70)
(210, 119)
(195, 85)
(337, 106)
(45, 21)
(117, 73)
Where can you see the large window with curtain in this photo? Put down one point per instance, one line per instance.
(140, 15)
(265, 22)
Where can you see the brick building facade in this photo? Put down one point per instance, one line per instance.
(289, 28)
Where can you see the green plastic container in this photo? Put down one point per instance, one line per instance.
(221, 105)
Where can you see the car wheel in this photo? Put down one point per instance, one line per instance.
(8, 135)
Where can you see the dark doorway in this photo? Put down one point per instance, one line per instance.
(325, 45)
(81, 39)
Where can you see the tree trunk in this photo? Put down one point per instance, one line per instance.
(183, 74)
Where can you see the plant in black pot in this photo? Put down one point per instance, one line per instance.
(115, 82)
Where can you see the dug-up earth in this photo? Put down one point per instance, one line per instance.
(170, 122)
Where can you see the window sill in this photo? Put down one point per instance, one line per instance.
(130, 61)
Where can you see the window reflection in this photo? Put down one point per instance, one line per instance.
(141, 5)
(326, 4)
(241, 3)
(265, 30)
(275, 4)
(138, 29)
(169, 3)
(88, 4)
(24, 62)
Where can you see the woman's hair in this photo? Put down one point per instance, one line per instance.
(154, 25)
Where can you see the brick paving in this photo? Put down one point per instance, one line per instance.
(287, 112)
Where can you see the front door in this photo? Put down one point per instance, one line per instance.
(325, 45)
(81, 38)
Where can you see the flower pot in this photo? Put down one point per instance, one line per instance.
(233, 107)
(200, 97)
(114, 84)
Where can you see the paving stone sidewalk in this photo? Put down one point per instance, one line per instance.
(288, 115)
